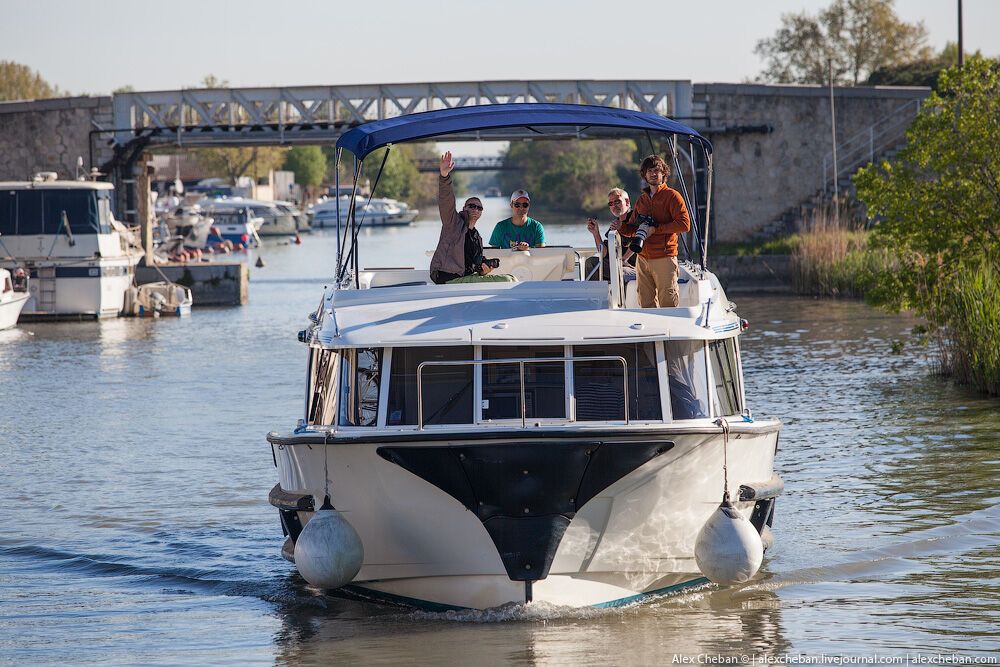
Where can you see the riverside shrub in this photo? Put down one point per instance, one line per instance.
(938, 213)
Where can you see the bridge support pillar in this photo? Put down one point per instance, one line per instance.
(144, 203)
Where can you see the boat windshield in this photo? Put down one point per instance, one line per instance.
(34, 212)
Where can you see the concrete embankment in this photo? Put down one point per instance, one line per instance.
(211, 284)
(753, 273)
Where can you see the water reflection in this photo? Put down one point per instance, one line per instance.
(137, 529)
(706, 621)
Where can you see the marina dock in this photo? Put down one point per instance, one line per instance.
(211, 283)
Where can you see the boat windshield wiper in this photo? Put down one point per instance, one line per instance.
(64, 225)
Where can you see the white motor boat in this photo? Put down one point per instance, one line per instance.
(275, 220)
(162, 298)
(80, 259)
(12, 299)
(539, 439)
(378, 212)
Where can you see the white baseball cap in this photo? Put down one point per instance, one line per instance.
(517, 194)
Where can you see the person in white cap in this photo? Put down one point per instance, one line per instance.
(518, 232)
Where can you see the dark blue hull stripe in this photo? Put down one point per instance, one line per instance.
(86, 272)
(358, 592)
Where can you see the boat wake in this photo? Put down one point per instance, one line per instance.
(971, 532)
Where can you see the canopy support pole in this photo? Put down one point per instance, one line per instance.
(336, 182)
(356, 226)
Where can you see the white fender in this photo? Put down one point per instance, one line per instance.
(328, 552)
(728, 549)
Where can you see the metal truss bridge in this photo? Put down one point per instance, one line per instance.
(320, 114)
(482, 163)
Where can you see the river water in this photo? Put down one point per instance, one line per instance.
(136, 528)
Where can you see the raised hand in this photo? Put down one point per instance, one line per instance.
(447, 164)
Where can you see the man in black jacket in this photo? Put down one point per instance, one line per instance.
(459, 250)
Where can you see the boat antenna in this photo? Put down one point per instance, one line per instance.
(708, 204)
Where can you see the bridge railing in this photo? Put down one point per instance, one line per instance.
(317, 113)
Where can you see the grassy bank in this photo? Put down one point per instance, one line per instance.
(831, 257)
(969, 341)
(835, 258)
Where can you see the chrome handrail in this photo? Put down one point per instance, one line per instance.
(521, 361)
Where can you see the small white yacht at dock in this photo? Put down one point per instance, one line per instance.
(79, 258)
(378, 212)
(543, 439)
(12, 299)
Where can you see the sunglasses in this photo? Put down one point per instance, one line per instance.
(520, 205)
(616, 202)
(476, 207)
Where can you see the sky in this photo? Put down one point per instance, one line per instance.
(86, 47)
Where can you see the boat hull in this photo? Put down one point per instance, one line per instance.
(10, 310)
(632, 538)
(279, 225)
(79, 289)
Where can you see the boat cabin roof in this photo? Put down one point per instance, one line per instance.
(55, 185)
(417, 313)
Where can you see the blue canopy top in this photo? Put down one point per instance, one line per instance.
(494, 121)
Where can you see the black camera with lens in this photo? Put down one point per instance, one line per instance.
(493, 263)
(646, 223)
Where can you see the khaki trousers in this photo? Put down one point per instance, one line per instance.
(657, 282)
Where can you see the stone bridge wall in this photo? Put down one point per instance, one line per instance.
(760, 176)
(49, 135)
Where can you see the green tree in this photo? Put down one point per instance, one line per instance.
(308, 163)
(20, 82)
(574, 176)
(399, 179)
(918, 72)
(233, 163)
(858, 36)
(938, 212)
(236, 162)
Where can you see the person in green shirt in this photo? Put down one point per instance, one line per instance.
(518, 232)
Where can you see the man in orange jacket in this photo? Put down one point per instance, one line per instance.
(665, 215)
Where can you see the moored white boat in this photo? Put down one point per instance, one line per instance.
(80, 259)
(12, 300)
(272, 219)
(162, 298)
(534, 440)
(379, 212)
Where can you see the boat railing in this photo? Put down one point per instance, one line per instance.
(617, 284)
(521, 361)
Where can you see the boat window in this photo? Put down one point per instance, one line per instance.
(8, 213)
(544, 383)
(27, 212)
(323, 387)
(599, 385)
(688, 379)
(31, 212)
(447, 390)
(359, 386)
(104, 211)
(726, 398)
(80, 207)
